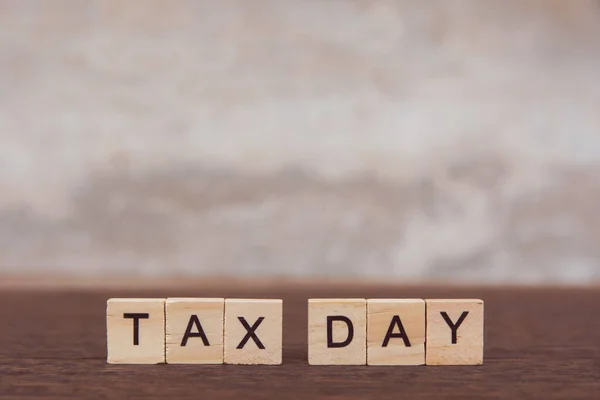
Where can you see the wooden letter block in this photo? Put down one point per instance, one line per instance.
(337, 331)
(195, 331)
(253, 331)
(135, 331)
(454, 332)
(395, 332)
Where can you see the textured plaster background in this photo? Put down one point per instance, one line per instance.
(414, 140)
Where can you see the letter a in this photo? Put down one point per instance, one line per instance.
(188, 331)
(402, 334)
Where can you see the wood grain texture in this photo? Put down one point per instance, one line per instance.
(204, 319)
(388, 317)
(540, 344)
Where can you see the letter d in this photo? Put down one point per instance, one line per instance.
(349, 325)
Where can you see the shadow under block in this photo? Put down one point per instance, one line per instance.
(194, 330)
(337, 330)
(253, 331)
(395, 332)
(454, 332)
(135, 331)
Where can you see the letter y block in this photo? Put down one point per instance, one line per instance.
(454, 332)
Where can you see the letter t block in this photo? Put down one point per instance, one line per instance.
(337, 331)
(135, 331)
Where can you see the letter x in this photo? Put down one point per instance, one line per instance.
(251, 333)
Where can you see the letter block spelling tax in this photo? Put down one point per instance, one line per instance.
(135, 331)
(454, 332)
(253, 331)
(337, 330)
(194, 330)
(395, 332)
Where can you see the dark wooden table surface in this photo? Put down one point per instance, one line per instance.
(540, 343)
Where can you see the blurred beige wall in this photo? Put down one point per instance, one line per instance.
(420, 140)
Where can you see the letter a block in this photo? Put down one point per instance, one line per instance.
(135, 331)
(395, 332)
(253, 331)
(195, 331)
(337, 330)
(454, 332)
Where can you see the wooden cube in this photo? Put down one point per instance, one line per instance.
(135, 331)
(337, 330)
(454, 332)
(194, 330)
(253, 331)
(395, 332)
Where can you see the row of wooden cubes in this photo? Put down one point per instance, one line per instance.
(340, 331)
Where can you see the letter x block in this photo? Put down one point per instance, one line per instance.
(454, 332)
(337, 330)
(135, 331)
(253, 331)
(195, 331)
(395, 332)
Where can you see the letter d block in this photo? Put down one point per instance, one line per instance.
(454, 332)
(195, 331)
(135, 331)
(253, 331)
(337, 331)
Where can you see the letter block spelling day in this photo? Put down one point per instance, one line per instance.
(194, 330)
(253, 331)
(454, 332)
(395, 331)
(337, 330)
(135, 331)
